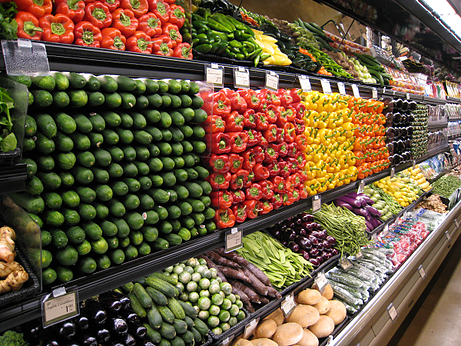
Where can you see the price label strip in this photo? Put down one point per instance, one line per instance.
(250, 328)
(359, 255)
(361, 186)
(60, 305)
(227, 340)
(316, 203)
(392, 311)
(392, 172)
(288, 305)
(272, 80)
(305, 83)
(241, 77)
(326, 86)
(214, 75)
(374, 93)
(341, 88)
(321, 281)
(422, 272)
(414, 164)
(233, 240)
(345, 264)
(355, 90)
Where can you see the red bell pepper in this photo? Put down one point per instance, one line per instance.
(261, 172)
(86, 34)
(300, 126)
(161, 10)
(260, 154)
(28, 26)
(276, 201)
(238, 196)
(112, 4)
(303, 177)
(248, 159)
(177, 15)
(58, 28)
(124, 20)
(262, 141)
(221, 199)
(139, 42)
(112, 39)
(296, 195)
(139, 7)
(295, 94)
(287, 198)
(224, 218)
(300, 110)
(239, 179)
(162, 45)
(274, 169)
(98, 14)
(150, 24)
(214, 124)
(238, 103)
(292, 164)
(240, 213)
(74, 9)
(285, 97)
(282, 149)
(38, 8)
(249, 119)
(282, 119)
(219, 181)
(271, 154)
(280, 134)
(290, 134)
(219, 163)
(172, 31)
(261, 121)
(221, 104)
(252, 208)
(265, 207)
(236, 162)
(271, 133)
(253, 192)
(271, 97)
(252, 138)
(238, 141)
(303, 194)
(219, 143)
(279, 184)
(251, 98)
(301, 158)
(267, 189)
(292, 149)
(234, 122)
(290, 114)
(183, 51)
(285, 170)
(272, 114)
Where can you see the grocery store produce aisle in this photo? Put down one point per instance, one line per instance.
(435, 317)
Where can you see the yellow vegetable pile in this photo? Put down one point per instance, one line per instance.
(418, 177)
(402, 187)
(269, 45)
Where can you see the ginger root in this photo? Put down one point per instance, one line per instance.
(7, 238)
(15, 274)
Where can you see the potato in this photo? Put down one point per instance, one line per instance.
(263, 342)
(266, 329)
(308, 297)
(337, 311)
(242, 342)
(304, 315)
(308, 339)
(324, 327)
(323, 306)
(327, 291)
(277, 316)
(288, 334)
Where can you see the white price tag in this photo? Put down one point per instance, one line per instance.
(361, 186)
(316, 203)
(341, 88)
(345, 264)
(355, 90)
(250, 328)
(241, 77)
(272, 80)
(288, 304)
(392, 311)
(144, 216)
(305, 83)
(359, 255)
(330, 340)
(59, 306)
(408, 96)
(392, 172)
(321, 281)
(374, 93)
(214, 75)
(447, 235)
(414, 164)
(326, 86)
(386, 228)
(233, 240)
(422, 272)
(227, 340)
(384, 90)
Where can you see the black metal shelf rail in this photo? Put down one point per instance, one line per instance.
(13, 178)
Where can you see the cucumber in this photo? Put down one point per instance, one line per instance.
(167, 331)
(181, 327)
(200, 326)
(78, 98)
(143, 297)
(154, 317)
(176, 308)
(150, 233)
(153, 335)
(138, 308)
(157, 297)
(161, 244)
(166, 278)
(166, 288)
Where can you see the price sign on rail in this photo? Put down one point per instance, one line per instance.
(241, 77)
(326, 86)
(59, 305)
(288, 305)
(341, 88)
(305, 83)
(233, 240)
(355, 90)
(214, 75)
(316, 203)
(272, 80)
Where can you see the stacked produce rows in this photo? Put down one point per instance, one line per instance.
(114, 171)
(419, 138)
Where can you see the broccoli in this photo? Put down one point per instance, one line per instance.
(12, 338)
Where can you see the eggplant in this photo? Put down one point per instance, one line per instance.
(361, 212)
(373, 211)
(294, 247)
(343, 204)
(334, 252)
(95, 311)
(331, 240)
(353, 202)
(370, 227)
(367, 198)
(315, 262)
(375, 222)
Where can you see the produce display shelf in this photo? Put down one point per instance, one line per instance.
(451, 138)
(437, 126)
(433, 100)
(453, 99)
(13, 178)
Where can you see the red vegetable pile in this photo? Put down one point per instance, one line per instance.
(143, 26)
(255, 140)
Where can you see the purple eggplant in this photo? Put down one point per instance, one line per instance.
(361, 212)
(294, 247)
(340, 203)
(352, 201)
(375, 222)
(304, 243)
(307, 217)
(313, 240)
(331, 240)
(373, 211)
(370, 227)
(315, 262)
(367, 198)
(326, 244)
(314, 252)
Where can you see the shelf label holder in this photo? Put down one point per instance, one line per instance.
(374, 93)
(326, 86)
(422, 272)
(214, 74)
(241, 77)
(342, 88)
(392, 311)
(355, 90)
(288, 305)
(321, 281)
(233, 240)
(316, 203)
(24, 57)
(272, 80)
(305, 83)
(250, 328)
(60, 305)
(361, 186)
(345, 264)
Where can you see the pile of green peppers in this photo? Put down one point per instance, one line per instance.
(223, 35)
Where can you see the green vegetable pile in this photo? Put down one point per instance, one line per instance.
(12, 338)
(384, 203)
(8, 141)
(8, 25)
(113, 169)
(446, 185)
(282, 266)
(348, 229)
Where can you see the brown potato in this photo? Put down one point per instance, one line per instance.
(308, 297)
(242, 342)
(265, 329)
(304, 315)
(308, 339)
(323, 306)
(337, 311)
(288, 334)
(263, 342)
(327, 291)
(324, 327)
(277, 316)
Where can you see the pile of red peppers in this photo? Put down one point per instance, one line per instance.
(142, 26)
(256, 141)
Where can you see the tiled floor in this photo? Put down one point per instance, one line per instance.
(435, 318)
